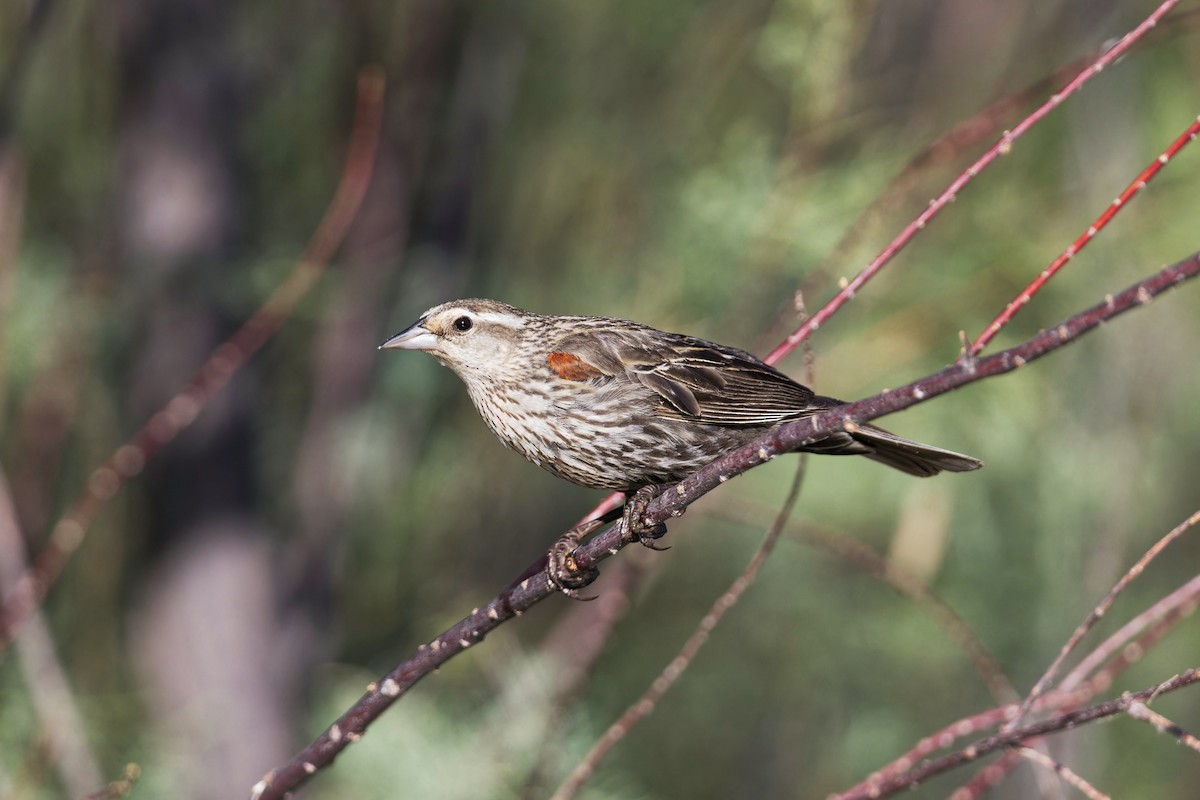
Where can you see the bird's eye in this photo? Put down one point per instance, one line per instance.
(462, 324)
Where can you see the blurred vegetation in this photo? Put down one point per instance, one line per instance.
(687, 164)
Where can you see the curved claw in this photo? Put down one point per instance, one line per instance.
(562, 571)
(636, 527)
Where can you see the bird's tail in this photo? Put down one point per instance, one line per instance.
(915, 458)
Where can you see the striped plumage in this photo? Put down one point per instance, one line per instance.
(613, 404)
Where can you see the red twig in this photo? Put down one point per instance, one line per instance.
(129, 459)
(1002, 147)
(1139, 183)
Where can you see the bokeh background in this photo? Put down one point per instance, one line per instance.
(687, 163)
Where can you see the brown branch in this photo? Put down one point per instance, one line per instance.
(130, 458)
(532, 587)
(1142, 713)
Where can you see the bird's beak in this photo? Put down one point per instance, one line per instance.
(418, 337)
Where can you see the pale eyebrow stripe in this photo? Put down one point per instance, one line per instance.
(497, 319)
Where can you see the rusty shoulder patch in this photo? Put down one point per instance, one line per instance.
(571, 367)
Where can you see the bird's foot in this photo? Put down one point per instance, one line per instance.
(636, 527)
(562, 571)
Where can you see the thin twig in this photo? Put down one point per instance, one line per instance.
(968, 133)
(1063, 771)
(1142, 713)
(1074, 690)
(1071, 693)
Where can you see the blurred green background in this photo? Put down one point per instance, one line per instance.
(687, 164)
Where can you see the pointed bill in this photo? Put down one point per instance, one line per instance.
(417, 337)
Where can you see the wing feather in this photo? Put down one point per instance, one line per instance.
(697, 380)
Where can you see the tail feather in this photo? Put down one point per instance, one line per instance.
(915, 458)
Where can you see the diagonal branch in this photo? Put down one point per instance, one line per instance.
(532, 587)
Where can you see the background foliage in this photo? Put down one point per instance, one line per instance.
(688, 164)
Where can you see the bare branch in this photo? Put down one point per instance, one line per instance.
(1142, 713)
(1063, 771)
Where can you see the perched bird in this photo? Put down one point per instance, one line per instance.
(613, 404)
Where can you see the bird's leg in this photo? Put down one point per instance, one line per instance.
(636, 527)
(562, 571)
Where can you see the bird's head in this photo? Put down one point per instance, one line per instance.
(475, 338)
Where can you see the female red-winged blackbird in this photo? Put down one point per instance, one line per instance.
(613, 404)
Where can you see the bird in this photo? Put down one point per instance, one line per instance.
(610, 403)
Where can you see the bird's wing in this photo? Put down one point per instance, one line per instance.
(697, 380)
